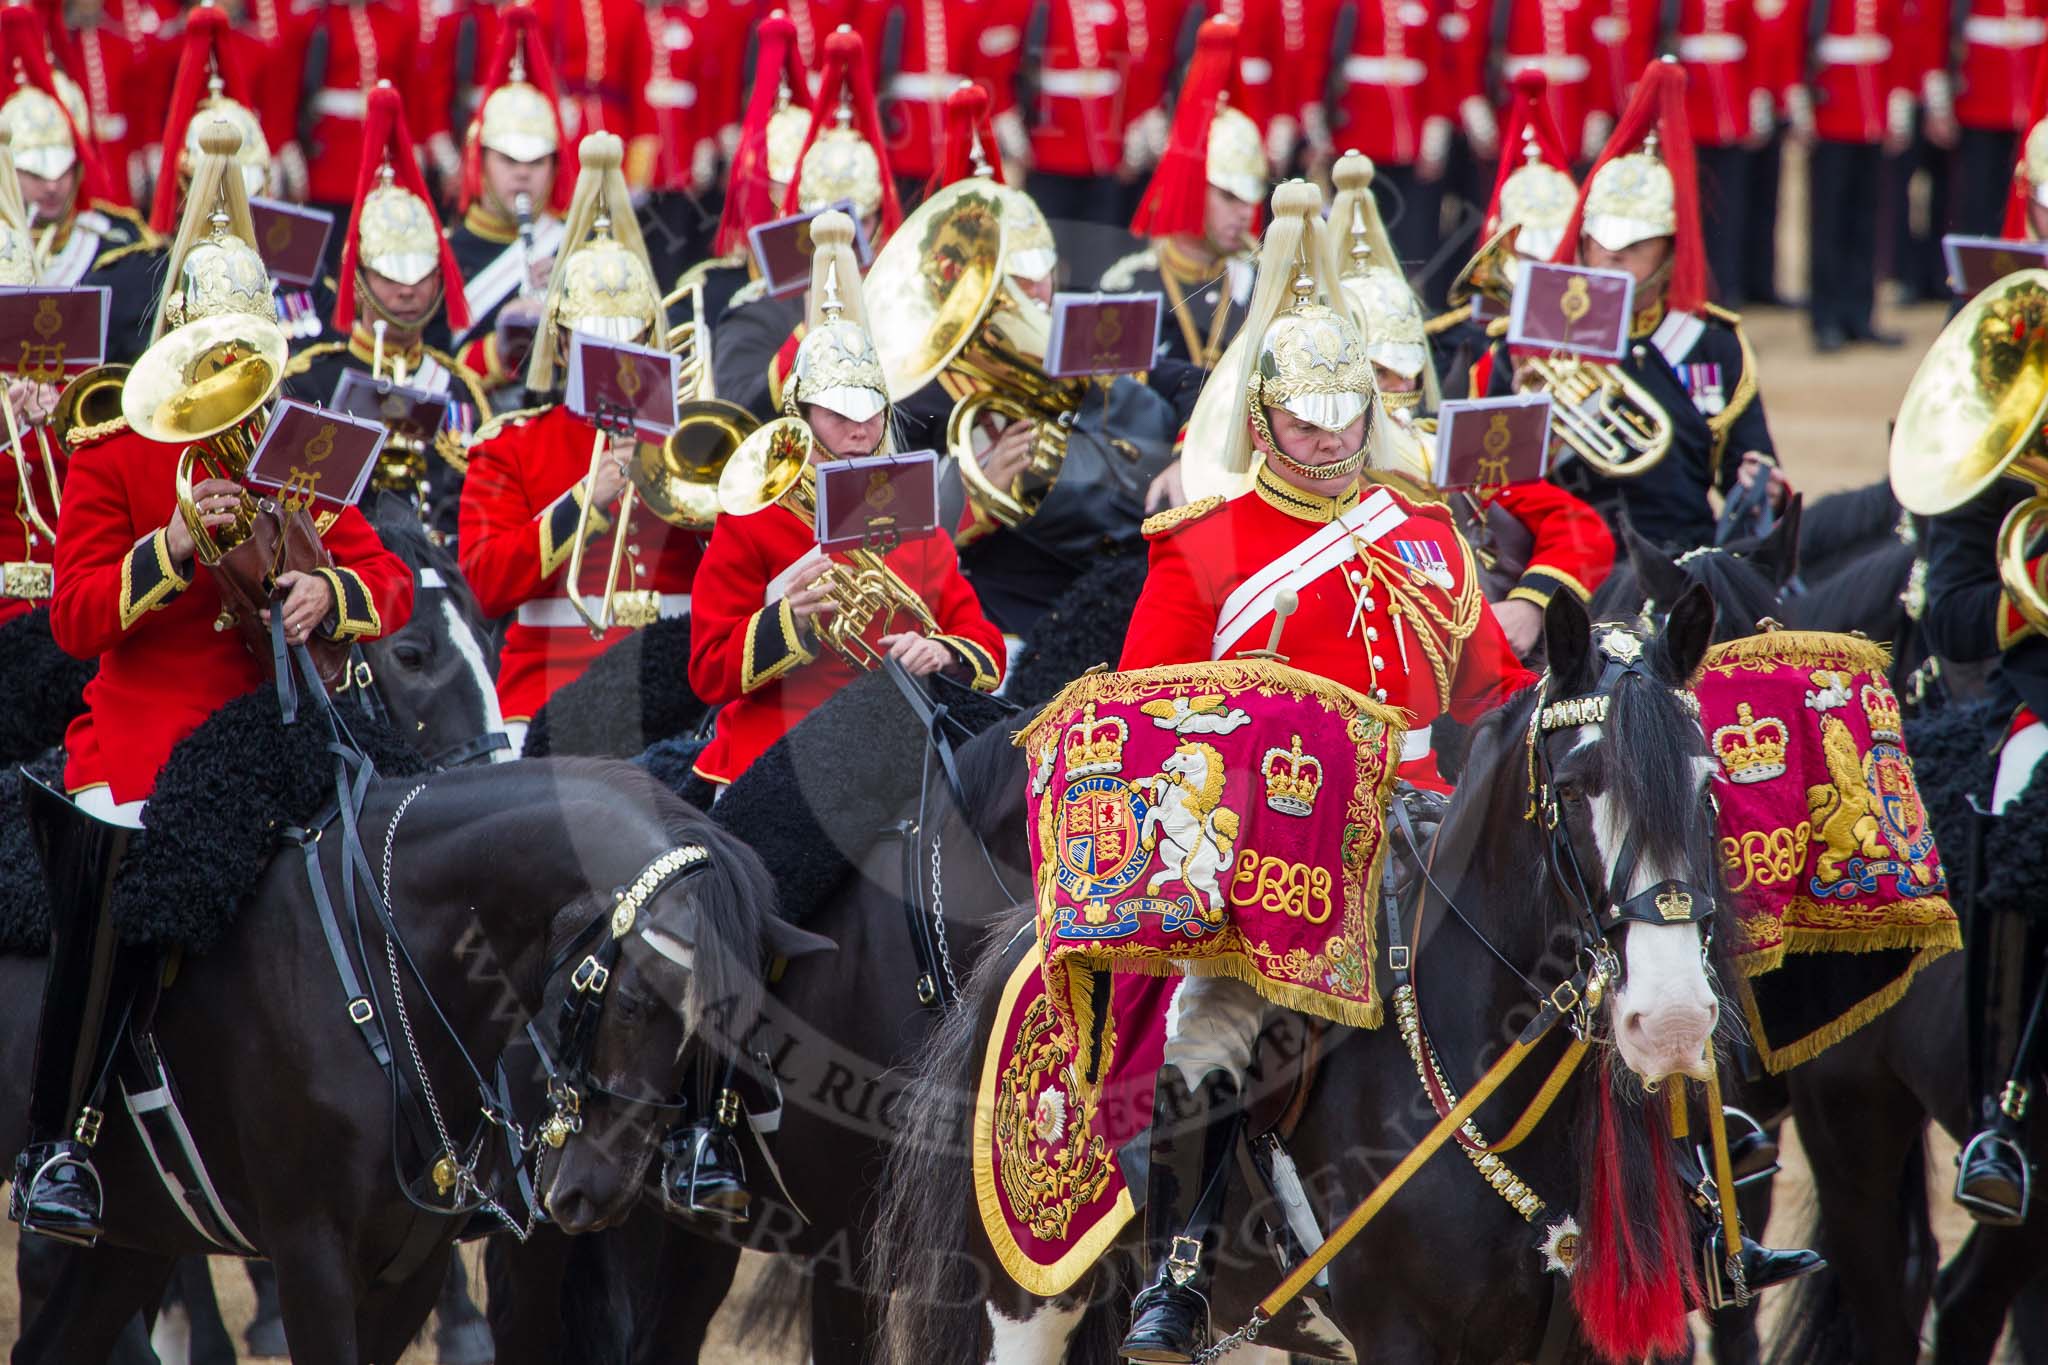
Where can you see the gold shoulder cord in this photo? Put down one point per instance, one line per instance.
(1204, 353)
(1404, 598)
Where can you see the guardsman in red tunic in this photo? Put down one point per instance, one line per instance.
(1857, 108)
(533, 486)
(2004, 44)
(1719, 43)
(111, 61)
(755, 647)
(513, 189)
(1198, 213)
(28, 492)
(685, 116)
(209, 85)
(1556, 38)
(1095, 83)
(128, 594)
(1397, 109)
(1569, 547)
(1388, 605)
(365, 41)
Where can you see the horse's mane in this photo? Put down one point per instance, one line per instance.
(1861, 594)
(991, 771)
(1840, 522)
(399, 527)
(1742, 594)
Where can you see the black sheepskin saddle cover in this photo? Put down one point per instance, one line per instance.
(211, 826)
(634, 694)
(41, 687)
(1085, 627)
(814, 803)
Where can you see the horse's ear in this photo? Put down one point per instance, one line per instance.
(1777, 554)
(1662, 580)
(1568, 645)
(1687, 633)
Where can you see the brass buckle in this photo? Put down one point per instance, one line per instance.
(1397, 958)
(1565, 998)
(1184, 1259)
(88, 1130)
(590, 975)
(360, 1010)
(728, 1115)
(2012, 1101)
(635, 608)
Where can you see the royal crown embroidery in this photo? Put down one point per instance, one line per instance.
(1751, 750)
(1292, 779)
(1095, 746)
(1882, 708)
(1675, 906)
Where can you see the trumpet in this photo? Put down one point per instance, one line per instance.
(951, 317)
(774, 466)
(677, 478)
(1973, 415)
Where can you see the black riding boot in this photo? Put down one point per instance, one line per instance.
(56, 1189)
(1756, 1267)
(1994, 1179)
(1192, 1136)
(702, 1172)
(2005, 989)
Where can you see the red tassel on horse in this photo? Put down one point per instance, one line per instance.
(1632, 1282)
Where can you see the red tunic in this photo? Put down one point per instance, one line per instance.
(164, 668)
(747, 654)
(517, 528)
(944, 43)
(1572, 549)
(22, 588)
(1106, 64)
(689, 94)
(1391, 83)
(1400, 621)
(2003, 42)
(1860, 59)
(1556, 38)
(367, 41)
(1717, 46)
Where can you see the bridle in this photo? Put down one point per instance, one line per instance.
(601, 941)
(1599, 913)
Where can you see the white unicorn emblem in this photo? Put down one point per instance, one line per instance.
(1185, 821)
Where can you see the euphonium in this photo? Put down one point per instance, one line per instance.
(944, 311)
(774, 466)
(1973, 415)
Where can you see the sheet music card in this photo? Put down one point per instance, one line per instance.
(310, 454)
(400, 408)
(1485, 444)
(1977, 263)
(1571, 308)
(47, 334)
(291, 239)
(615, 383)
(782, 249)
(1103, 334)
(878, 500)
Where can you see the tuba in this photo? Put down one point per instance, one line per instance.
(774, 466)
(207, 387)
(944, 311)
(1973, 415)
(88, 405)
(677, 478)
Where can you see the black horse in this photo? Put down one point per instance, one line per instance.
(492, 872)
(1449, 1270)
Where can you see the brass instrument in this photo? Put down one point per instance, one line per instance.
(206, 387)
(939, 289)
(676, 478)
(1973, 415)
(774, 466)
(1609, 421)
(88, 404)
(31, 510)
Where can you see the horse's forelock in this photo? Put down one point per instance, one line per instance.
(1649, 757)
